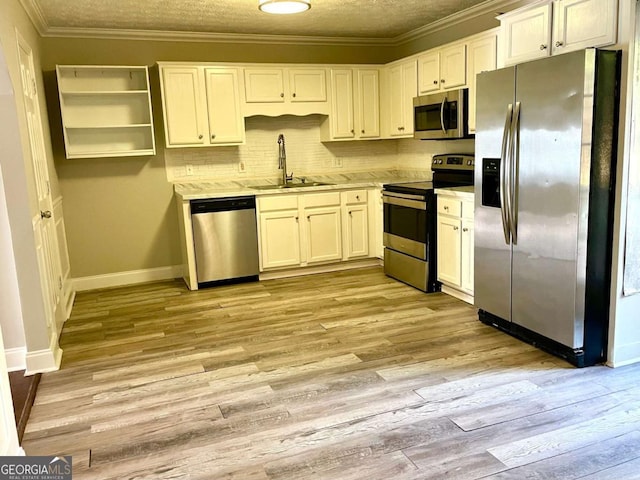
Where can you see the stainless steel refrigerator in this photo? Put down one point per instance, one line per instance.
(546, 140)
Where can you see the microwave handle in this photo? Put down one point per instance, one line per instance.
(444, 101)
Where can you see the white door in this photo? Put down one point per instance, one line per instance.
(44, 225)
(324, 242)
(429, 72)
(527, 35)
(8, 434)
(184, 122)
(466, 278)
(308, 85)
(579, 24)
(448, 250)
(368, 104)
(226, 124)
(481, 57)
(279, 239)
(453, 66)
(342, 103)
(264, 85)
(357, 234)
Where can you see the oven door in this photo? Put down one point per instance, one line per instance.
(405, 223)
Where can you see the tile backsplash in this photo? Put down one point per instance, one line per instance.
(306, 155)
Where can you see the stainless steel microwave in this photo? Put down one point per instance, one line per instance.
(441, 116)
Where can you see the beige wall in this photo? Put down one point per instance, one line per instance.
(119, 212)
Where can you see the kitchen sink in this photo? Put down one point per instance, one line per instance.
(289, 185)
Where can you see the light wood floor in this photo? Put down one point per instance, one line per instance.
(338, 376)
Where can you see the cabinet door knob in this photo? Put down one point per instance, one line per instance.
(559, 43)
(435, 82)
(349, 212)
(357, 198)
(282, 95)
(446, 207)
(455, 228)
(362, 131)
(309, 217)
(543, 47)
(296, 219)
(213, 135)
(199, 137)
(442, 81)
(294, 95)
(45, 214)
(352, 131)
(465, 229)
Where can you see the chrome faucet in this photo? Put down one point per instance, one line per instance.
(282, 160)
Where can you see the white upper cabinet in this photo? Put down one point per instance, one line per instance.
(307, 85)
(183, 105)
(282, 91)
(442, 69)
(355, 105)
(401, 86)
(226, 124)
(264, 85)
(580, 24)
(557, 27)
(201, 106)
(481, 57)
(106, 111)
(368, 103)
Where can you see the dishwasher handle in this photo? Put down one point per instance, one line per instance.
(222, 204)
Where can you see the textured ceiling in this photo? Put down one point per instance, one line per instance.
(376, 19)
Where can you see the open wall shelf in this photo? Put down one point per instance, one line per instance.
(106, 110)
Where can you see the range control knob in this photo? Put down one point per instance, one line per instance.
(440, 162)
(469, 162)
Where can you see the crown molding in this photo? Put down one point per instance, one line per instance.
(36, 15)
(34, 12)
(124, 34)
(488, 7)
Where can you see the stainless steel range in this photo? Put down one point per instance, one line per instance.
(410, 221)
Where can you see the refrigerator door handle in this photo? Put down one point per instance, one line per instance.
(444, 101)
(514, 148)
(504, 157)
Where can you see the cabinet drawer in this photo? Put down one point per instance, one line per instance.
(355, 197)
(467, 210)
(321, 199)
(280, 202)
(449, 206)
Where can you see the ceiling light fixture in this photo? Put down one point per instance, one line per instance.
(284, 7)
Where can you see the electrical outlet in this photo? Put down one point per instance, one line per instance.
(339, 162)
(242, 167)
(189, 169)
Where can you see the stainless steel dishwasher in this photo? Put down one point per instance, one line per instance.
(226, 240)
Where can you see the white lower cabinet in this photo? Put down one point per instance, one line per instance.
(355, 224)
(313, 228)
(280, 239)
(455, 243)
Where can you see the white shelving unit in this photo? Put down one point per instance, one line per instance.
(106, 111)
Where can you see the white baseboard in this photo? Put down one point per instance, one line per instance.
(465, 297)
(624, 355)
(16, 358)
(126, 278)
(42, 361)
(326, 268)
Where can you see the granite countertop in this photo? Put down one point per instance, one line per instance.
(463, 192)
(229, 188)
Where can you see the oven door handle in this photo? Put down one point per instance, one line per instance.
(408, 196)
(444, 101)
(402, 202)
